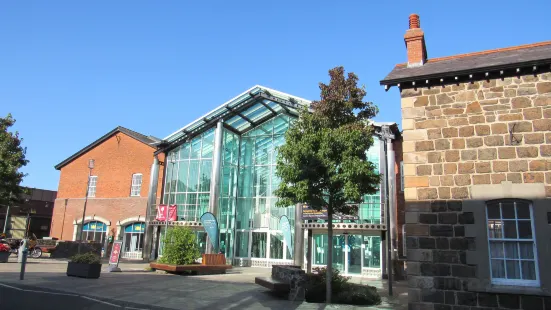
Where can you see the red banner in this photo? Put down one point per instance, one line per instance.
(115, 253)
(162, 211)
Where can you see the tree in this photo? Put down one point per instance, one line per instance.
(323, 161)
(180, 247)
(12, 159)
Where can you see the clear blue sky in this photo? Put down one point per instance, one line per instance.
(71, 71)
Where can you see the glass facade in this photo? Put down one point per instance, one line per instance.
(247, 216)
(188, 179)
(370, 209)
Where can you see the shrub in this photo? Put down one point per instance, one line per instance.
(86, 258)
(343, 292)
(180, 247)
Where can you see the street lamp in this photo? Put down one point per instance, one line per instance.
(172, 161)
(90, 167)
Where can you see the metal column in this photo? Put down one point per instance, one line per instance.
(151, 202)
(214, 197)
(298, 249)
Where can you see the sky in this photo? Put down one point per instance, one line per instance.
(71, 71)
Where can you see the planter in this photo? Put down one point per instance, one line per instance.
(4, 257)
(90, 271)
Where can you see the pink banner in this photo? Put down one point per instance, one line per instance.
(163, 209)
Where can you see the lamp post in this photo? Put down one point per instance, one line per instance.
(172, 161)
(90, 167)
(7, 215)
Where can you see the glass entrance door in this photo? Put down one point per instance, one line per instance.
(354, 251)
(339, 249)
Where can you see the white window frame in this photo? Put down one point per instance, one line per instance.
(517, 282)
(92, 183)
(135, 187)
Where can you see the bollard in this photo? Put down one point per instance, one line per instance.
(24, 253)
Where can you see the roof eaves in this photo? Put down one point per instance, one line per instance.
(459, 73)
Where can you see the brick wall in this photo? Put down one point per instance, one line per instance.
(116, 159)
(458, 138)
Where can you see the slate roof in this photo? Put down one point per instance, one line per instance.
(480, 62)
(149, 140)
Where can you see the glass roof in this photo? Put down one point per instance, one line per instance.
(243, 112)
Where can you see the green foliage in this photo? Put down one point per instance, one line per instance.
(12, 159)
(343, 292)
(323, 162)
(86, 258)
(180, 247)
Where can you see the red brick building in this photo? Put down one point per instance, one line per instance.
(117, 194)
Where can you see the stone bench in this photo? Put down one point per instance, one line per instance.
(272, 284)
(285, 278)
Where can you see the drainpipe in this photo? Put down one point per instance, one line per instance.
(392, 193)
(387, 136)
(151, 202)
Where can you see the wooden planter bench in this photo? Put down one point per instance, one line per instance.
(211, 264)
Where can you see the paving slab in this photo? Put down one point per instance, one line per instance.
(134, 287)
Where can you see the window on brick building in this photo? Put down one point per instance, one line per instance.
(92, 185)
(136, 184)
(512, 244)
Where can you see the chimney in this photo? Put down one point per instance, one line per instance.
(415, 43)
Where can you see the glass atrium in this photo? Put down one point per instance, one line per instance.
(254, 126)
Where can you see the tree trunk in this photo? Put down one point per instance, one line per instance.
(329, 273)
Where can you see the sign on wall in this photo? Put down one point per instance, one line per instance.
(162, 212)
(309, 213)
(211, 227)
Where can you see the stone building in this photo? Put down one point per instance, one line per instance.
(477, 169)
(118, 187)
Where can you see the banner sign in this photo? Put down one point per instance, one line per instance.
(285, 226)
(211, 227)
(162, 212)
(115, 253)
(309, 213)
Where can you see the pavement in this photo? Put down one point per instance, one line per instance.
(46, 286)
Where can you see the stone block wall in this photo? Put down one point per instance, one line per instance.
(459, 141)
(481, 132)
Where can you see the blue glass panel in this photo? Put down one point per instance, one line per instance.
(208, 144)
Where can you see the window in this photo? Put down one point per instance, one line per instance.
(512, 244)
(94, 231)
(401, 176)
(136, 184)
(133, 237)
(92, 180)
